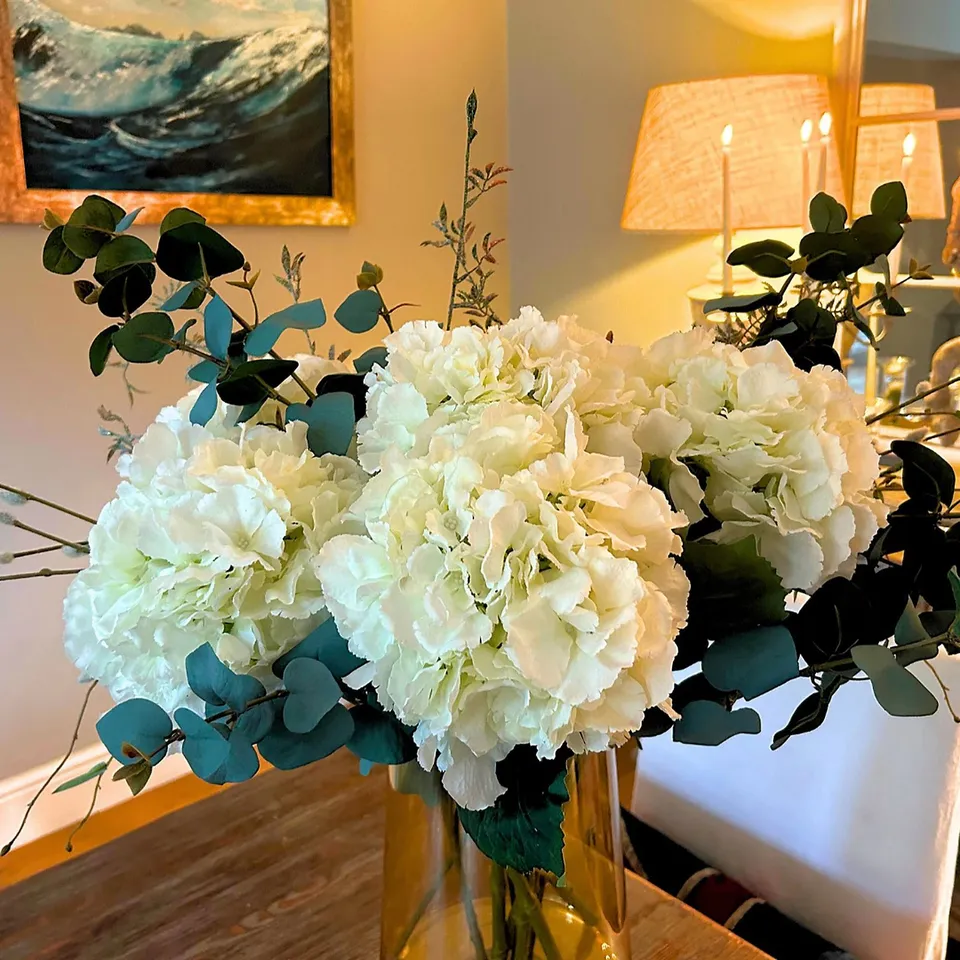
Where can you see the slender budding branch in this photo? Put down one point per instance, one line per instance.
(20, 554)
(45, 572)
(462, 223)
(919, 396)
(20, 525)
(89, 813)
(945, 689)
(56, 770)
(47, 503)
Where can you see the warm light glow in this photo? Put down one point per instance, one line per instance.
(909, 144)
(726, 138)
(806, 131)
(826, 122)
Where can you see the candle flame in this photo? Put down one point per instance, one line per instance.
(909, 144)
(726, 137)
(826, 122)
(806, 131)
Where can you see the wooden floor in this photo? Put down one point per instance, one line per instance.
(285, 867)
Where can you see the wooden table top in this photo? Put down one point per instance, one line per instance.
(285, 867)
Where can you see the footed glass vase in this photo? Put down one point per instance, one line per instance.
(444, 900)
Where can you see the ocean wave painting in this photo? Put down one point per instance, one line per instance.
(178, 96)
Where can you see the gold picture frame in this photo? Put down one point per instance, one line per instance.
(19, 204)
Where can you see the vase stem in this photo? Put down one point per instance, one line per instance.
(498, 898)
(466, 897)
(532, 913)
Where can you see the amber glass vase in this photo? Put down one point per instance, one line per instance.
(444, 900)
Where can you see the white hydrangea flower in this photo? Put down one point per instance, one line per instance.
(509, 586)
(786, 455)
(211, 538)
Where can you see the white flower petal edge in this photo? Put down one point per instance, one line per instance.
(510, 585)
(211, 538)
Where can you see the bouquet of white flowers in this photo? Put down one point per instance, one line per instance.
(481, 551)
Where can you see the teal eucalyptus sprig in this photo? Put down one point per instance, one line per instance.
(468, 289)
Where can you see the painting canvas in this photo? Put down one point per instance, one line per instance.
(239, 101)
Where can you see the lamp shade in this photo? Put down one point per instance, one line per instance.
(880, 148)
(676, 180)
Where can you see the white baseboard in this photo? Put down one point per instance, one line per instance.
(51, 813)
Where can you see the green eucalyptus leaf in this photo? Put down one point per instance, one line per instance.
(326, 645)
(524, 828)
(380, 737)
(127, 291)
(216, 684)
(91, 774)
(120, 253)
(374, 356)
(877, 235)
(133, 340)
(205, 406)
(897, 690)
(312, 693)
(287, 751)
(128, 220)
(746, 303)
(360, 311)
(205, 748)
(100, 349)
(245, 383)
(89, 227)
(831, 255)
(178, 217)
(811, 713)
(954, 579)
(330, 422)
(179, 299)
(185, 250)
(217, 327)
(909, 628)
(925, 473)
(706, 723)
(57, 256)
(138, 722)
(889, 201)
(753, 662)
(827, 215)
(767, 258)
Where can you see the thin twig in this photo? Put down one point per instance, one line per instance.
(89, 813)
(20, 554)
(47, 503)
(462, 231)
(45, 572)
(919, 396)
(20, 525)
(56, 770)
(945, 689)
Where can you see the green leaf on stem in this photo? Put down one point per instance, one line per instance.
(91, 774)
(287, 751)
(179, 299)
(205, 406)
(954, 631)
(380, 737)
(313, 692)
(128, 220)
(205, 748)
(139, 722)
(330, 422)
(826, 215)
(706, 723)
(897, 690)
(217, 327)
(90, 226)
(186, 250)
(120, 253)
(307, 315)
(127, 291)
(766, 258)
(133, 340)
(926, 475)
(326, 645)
(360, 311)
(215, 683)
(57, 256)
(753, 662)
(889, 201)
(100, 349)
(178, 216)
(811, 713)
(374, 356)
(206, 371)
(245, 382)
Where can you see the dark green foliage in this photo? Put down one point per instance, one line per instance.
(380, 737)
(708, 724)
(182, 299)
(187, 250)
(57, 256)
(326, 645)
(90, 226)
(927, 477)
(119, 254)
(889, 200)
(745, 303)
(100, 349)
(330, 422)
(375, 355)
(127, 291)
(206, 371)
(287, 751)
(312, 693)
(766, 258)
(826, 215)
(753, 662)
(360, 311)
(812, 711)
(138, 340)
(524, 828)
(140, 723)
(215, 683)
(178, 216)
(249, 382)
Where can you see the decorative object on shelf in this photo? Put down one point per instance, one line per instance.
(201, 111)
(893, 372)
(944, 403)
(478, 553)
(702, 153)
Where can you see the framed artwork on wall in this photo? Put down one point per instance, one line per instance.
(239, 109)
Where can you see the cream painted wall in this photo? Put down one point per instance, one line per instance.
(415, 65)
(579, 76)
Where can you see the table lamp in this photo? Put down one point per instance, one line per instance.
(730, 154)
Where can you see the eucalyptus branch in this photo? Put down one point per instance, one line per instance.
(915, 399)
(945, 689)
(56, 770)
(12, 521)
(384, 312)
(185, 347)
(847, 662)
(26, 495)
(89, 813)
(233, 714)
(45, 572)
(462, 222)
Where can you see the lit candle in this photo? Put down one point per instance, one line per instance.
(906, 162)
(726, 138)
(826, 122)
(806, 132)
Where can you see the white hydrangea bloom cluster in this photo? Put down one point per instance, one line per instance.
(211, 538)
(786, 454)
(510, 587)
